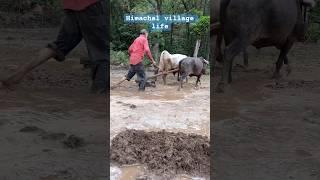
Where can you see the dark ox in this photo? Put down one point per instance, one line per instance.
(191, 66)
(261, 23)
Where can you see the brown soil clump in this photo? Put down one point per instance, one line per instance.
(163, 152)
(73, 142)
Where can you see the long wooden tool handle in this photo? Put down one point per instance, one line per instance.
(118, 83)
(171, 71)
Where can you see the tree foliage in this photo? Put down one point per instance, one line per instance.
(182, 37)
(313, 33)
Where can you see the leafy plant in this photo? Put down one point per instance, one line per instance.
(202, 26)
(119, 57)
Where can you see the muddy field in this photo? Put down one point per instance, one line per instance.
(265, 129)
(51, 126)
(165, 153)
(157, 109)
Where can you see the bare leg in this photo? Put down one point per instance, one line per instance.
(44, 55)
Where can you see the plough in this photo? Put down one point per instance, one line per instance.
(167, 72)
(150, 77)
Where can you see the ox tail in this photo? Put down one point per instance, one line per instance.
(161, 61)
(161, 55)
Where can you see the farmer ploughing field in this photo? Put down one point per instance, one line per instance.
(138, 48)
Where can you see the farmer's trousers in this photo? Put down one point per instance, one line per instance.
(90, 24)
(139, 70)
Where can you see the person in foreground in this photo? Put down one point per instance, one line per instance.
(84, 19)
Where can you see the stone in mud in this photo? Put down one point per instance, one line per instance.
(163, 152)
(29, 129)
(132, 106)
(46, 150)
(73, 142)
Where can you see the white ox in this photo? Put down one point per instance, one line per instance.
(169, 62)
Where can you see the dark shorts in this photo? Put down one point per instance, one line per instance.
(90, 24)
(139, 70)
(136, 69)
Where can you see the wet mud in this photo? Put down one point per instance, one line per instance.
(164, 153)
(268, 129)
(49, 106)
(73, 142)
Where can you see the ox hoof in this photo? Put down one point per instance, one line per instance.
(220, 88)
